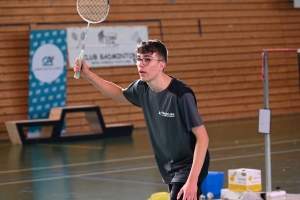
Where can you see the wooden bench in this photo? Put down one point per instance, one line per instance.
(51, 128)
(18, 136)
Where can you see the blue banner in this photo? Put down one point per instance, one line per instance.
(47, 75)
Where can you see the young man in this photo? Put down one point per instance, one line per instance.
(177, 134)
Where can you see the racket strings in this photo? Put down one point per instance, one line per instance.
(93, 11)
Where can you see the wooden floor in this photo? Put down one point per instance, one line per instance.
(124, 167)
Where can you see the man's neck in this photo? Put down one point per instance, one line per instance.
(160, 84)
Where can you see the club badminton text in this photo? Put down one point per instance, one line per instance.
(106, 58)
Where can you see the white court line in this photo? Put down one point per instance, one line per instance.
(251, 145)
(78, 175)
(137, 168)
(77, 164)
(253, 155)
(137, 158)
(69, 146)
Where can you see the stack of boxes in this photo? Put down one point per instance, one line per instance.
(243, 179)
(239, 181)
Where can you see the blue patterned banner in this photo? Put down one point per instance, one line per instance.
(47, 76)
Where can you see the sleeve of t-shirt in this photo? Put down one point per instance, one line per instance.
(131, 93)
(189, 111)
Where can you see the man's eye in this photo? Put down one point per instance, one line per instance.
(147, 59)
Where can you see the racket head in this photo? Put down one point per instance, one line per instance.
(93, 11)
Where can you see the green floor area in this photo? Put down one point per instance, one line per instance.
(124, 167)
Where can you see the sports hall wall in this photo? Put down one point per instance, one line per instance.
(215, 46)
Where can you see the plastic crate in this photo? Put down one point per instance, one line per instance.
(213, 183)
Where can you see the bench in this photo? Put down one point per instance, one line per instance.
(51, 128)
(18, 136)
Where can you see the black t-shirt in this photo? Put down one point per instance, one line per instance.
(170, 115)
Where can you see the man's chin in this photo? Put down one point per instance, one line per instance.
(143, 79)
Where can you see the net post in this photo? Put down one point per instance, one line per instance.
(298, 51)
(267, 136)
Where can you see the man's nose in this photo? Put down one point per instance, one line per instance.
(141, 64)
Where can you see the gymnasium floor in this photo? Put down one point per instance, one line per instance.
(124, 167)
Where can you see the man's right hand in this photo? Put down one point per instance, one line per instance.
(84, 70)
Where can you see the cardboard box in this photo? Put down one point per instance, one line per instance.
(243, 179)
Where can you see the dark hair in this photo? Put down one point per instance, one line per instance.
(152, 46)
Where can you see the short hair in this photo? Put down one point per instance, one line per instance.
(153, 46)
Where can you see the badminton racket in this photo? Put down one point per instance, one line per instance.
(93, 12)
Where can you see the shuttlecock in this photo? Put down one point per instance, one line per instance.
(210, 195)
(202, 196)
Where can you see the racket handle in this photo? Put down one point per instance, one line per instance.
(77, 74)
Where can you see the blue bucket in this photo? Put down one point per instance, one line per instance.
(213, 183)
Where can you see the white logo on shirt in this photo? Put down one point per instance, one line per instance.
(165, 114)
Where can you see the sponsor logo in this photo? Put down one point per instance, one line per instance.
(47, 68)
(48, 61)
(108, 38)
(166, 114)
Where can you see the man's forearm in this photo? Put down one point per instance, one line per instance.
(107, 88)
(199, 153)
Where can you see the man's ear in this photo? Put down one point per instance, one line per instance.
(162, 65)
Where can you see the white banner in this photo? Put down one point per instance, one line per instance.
(105, 46)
